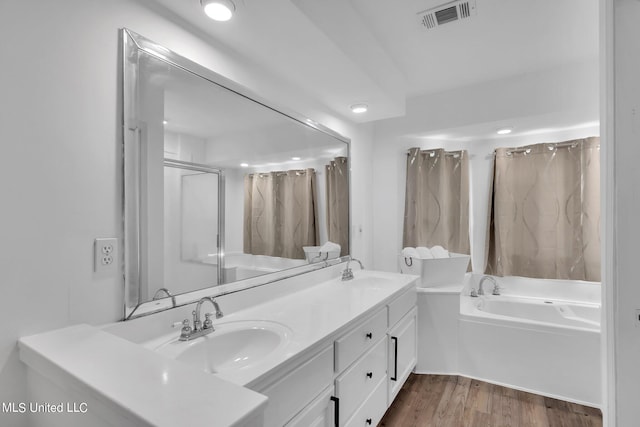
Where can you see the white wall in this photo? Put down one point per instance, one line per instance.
(621, 118)
(61, 179)
(553, 105)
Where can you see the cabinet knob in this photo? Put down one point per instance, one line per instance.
(369, 335)
(370, 374)
(369, 421)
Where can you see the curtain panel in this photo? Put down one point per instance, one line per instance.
(545, 211)
(280, 213)
(337, 180)
(437, 200)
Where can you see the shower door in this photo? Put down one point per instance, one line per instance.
(193, 225)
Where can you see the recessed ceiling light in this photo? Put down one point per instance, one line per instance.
(504, 131)
(359, 108)
(218, 10)
(244, 165)
(164, 122)
(295, 158)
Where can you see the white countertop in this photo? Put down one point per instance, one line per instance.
(319, 314)
(142, 387)
(159, 390)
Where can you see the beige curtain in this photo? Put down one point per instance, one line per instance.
(338, 203)
(545, 213)
(437, 200)
(280, 211)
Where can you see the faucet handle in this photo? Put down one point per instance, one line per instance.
(196, 321)
(208, 324)
(347, 274)
(473, 293)
(186, 330)
(496, 289)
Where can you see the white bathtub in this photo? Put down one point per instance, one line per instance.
(520, 339)
(538, 311)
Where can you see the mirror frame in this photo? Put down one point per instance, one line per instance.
(131, 44)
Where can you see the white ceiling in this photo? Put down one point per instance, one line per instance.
(234, 129)
(343, 52)
(505, 38)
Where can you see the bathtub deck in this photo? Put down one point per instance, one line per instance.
(452, 401)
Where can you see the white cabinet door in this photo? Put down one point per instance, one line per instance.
(321, 412)
(402, 352)
(293, 392)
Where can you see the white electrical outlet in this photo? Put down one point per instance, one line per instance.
(105, 253)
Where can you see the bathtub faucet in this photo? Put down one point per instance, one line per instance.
(496, 288)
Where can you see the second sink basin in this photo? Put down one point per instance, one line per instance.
(232, 346)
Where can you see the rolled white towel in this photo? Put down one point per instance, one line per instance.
(439, 252)
(424, 252)
(330, 246)
(410, 253)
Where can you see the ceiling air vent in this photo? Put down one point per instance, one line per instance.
(445, 13)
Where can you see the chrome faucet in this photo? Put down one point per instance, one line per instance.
(496, 287)
(347, 274)
(159, 293)
(199, 329)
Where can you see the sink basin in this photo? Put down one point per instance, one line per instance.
(232, 346)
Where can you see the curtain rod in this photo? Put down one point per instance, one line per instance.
(518, 150)
(280, 173)
(432, 152)
(550, 146)
(571, 144)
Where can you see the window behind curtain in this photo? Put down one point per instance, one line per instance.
(437, 200)
(280, 213)
(337, 180)
(545, 211)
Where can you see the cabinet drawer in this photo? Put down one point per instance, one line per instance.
(352, 345)
(359, 380)
(297, 389)
(372, 410)
(401, 306)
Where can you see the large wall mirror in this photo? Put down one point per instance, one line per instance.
(221, 187)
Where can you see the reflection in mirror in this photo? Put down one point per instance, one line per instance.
(193, 214)
(219, 186)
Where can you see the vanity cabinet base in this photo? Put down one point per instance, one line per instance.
(354, 379)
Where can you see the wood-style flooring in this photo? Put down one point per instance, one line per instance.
(452, 401)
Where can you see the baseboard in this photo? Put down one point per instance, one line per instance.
(515, 387)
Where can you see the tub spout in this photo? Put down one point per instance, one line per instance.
(496, 288)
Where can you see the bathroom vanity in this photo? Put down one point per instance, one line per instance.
(330, 352)
(293, 341)
(351, 376)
